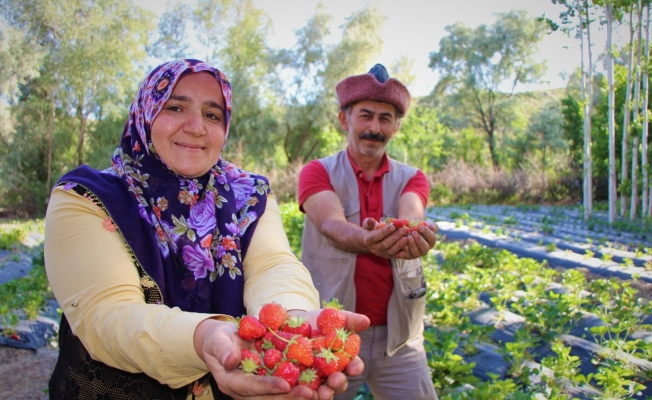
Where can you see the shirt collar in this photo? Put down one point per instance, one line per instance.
(384, 166)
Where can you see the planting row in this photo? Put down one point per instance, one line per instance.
(565, 250)
(500, 326)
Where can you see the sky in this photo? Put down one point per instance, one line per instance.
(415, 27)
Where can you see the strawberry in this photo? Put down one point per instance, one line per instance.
(280, 340)
(298, 326)
(319, 343)
(343, 359)
(261, 371)
(271, 357)
(272, 315)
(288, 371)
(325, 363)
(250, 328)
(352, 344)
(249, 361)
(335, 340)
(309, 378)
(331, 318)
(299, 350)
(265, 342)
(399, 223)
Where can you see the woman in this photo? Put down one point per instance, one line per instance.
(152, 258)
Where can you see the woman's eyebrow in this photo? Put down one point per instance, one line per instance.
(210, 103)
(213, 104)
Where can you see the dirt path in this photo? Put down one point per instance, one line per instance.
(24, 374)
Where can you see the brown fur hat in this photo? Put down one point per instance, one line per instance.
(376, 85)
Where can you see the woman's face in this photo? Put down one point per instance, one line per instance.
(189, 133)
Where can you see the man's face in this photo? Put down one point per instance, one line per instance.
(370, 125)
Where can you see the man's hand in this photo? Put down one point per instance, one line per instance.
(388, 241)
(218, 344)
(421, 241)
(399, 243)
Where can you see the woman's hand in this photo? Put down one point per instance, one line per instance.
(218, 345)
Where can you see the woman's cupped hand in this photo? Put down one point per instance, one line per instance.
(217, 343)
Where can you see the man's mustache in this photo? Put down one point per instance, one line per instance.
(373, 136)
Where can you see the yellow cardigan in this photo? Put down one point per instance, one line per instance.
(97, 286)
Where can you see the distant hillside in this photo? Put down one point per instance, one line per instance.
(530, 102)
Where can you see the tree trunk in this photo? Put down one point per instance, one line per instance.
(645, 211)
(634, 202)
(636, 114)
(82, 131)
(587, 187)
(624, 173)
(588, 140)
(50, 140)
(613, 194)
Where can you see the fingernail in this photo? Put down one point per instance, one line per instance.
(225, 358)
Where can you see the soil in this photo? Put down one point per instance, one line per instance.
(24, 374)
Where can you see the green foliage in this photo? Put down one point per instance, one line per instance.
(10, 239)
(476, 64)
(293, 220)
(422, 140)
(27, 294)
(573, 128)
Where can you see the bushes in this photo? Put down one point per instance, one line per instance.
(293, 225)
(459, 182)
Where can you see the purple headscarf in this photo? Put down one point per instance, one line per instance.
(199, 222)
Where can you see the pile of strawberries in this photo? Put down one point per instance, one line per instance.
(401, 223)
(290, 348)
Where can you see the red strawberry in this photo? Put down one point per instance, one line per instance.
(310, 378)
(250, 328)
(343, 359)
(272, 315)
(262, 371)
(352, 344)
(319, 343)
(288, 371)
(315, 333)
(399, 223)
(335, 340)
(249, 361)
(298, 326)
(331, 318)
(272, 357)
(325, 363)
(280, 340)
(264, 343)
(299, 350)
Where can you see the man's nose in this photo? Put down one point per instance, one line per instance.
(375, 125)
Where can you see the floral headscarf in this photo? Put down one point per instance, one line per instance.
(199, 222)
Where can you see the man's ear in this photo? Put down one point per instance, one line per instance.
(343, 121)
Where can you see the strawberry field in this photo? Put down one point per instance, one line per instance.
(534, 303)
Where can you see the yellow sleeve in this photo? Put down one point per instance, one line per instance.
(98, 288)
(272, 272)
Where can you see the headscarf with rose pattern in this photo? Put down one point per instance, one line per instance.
(202, 225)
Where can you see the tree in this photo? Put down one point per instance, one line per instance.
(573, 128)
(172, 28)
(581, 9)
(84, 72)
(483, 67)
(315, 68)
(546, 132)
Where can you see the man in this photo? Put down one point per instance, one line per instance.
(371, 269)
